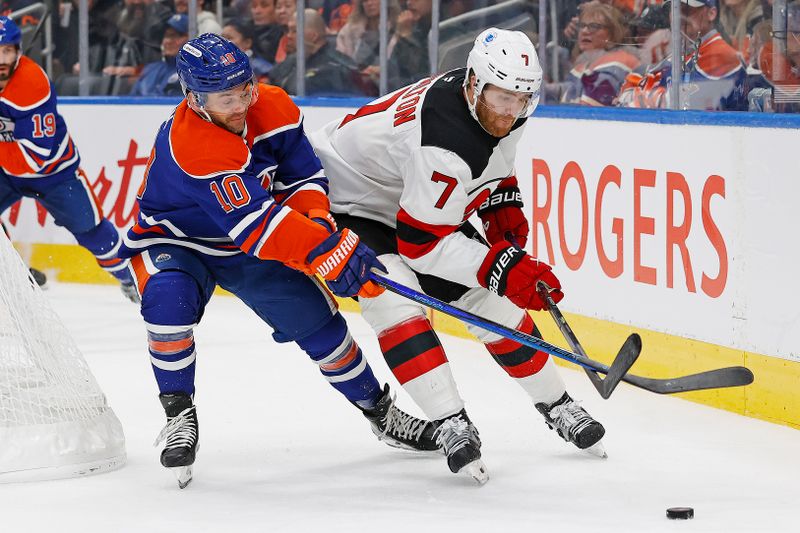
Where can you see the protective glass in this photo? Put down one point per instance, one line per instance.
(505, 102)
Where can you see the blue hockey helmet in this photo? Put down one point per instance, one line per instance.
(9, 32)
(210, 63)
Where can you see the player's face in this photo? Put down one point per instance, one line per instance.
(228, 109)
(8, 60)
(498, 109)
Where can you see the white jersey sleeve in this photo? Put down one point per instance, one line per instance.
(435, 201)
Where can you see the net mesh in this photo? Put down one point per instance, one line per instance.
(47, 392)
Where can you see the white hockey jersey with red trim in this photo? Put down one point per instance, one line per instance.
(417, 160)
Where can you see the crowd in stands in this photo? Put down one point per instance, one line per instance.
(599, 52)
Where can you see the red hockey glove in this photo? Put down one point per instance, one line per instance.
(510, 272)
(323, 218)
(344, 263)
(502, 214)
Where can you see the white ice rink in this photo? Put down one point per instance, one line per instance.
(282, 451)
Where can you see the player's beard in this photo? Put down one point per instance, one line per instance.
(495, 124)
(6, 70)
(232, 123)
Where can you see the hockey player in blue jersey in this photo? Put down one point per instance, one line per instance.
(39, 160)
(234, 196)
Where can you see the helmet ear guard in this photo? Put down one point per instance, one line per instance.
(505, 59)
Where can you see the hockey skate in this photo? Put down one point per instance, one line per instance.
(462, 445)
(39, 277)
(399, 429)
(574, 424)
(181, 434)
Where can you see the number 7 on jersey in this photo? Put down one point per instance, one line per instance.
(450, 184)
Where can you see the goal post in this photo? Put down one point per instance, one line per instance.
(55, 421)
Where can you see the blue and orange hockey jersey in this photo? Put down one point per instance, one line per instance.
(713, 79)
(219, 193)
(34, 141)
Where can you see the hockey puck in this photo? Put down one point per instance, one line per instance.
(680, 513)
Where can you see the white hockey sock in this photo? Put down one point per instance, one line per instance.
(545, 386)
(435, 392)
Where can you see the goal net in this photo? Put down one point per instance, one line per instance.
(54, 419)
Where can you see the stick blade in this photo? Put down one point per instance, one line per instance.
(626, 357)
(732, 376)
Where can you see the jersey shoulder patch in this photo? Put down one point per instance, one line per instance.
(28, 88)
(202, 149)
(273, 113)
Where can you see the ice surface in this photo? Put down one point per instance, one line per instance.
(281, 451)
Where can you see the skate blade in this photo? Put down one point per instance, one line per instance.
(598, 450)
(183, 474)
(477, 471)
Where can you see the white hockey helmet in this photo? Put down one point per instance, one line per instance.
(506, 59)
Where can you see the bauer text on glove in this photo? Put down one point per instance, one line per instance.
(502, 214)
(510, 272)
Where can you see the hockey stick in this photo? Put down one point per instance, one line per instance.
(733, 376)
(627, 355)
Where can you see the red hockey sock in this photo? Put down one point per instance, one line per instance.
(411, 349)
(518, 360)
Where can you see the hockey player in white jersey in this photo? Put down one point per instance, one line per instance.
(406, 172)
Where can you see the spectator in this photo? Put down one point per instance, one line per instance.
(360, 37)
(140, 25)
(713, 73)
(603, 63)
(267, 33)
(453, 8)
(737, 19)
(779, 90)
(240, 33)
(160, 78)
(284, 9)
(103, 34)
(409, 58)
(328, 72)
(335, 14)
(652, 34)
(65, 36)
(206, 20)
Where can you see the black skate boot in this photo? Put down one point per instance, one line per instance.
(462, 445)
(181, 434)
(398, 428)
(39, 277)
(573, 424)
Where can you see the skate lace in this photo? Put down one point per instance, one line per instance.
(402, 425)
(453, 434)
(180, 430)
(570, 416)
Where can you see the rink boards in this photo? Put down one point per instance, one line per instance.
(683, 231)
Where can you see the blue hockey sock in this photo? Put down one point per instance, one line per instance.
(341, 362)
(103, 241)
